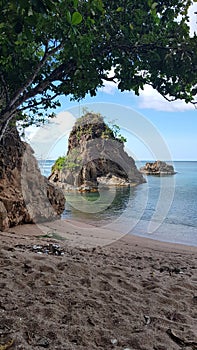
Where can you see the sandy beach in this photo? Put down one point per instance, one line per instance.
(64, 286)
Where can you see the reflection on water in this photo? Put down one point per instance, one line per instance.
(120, 208)
(98, 208)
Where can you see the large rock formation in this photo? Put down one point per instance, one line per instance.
(158, 168)
(25, 195)
(95, 158)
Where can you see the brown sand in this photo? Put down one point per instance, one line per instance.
(101, 293)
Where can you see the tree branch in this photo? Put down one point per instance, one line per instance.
(11, 108)
(5, 87)
(47, 54)
(104, 77)
(55, 75)
(39, 103)
(5, 125)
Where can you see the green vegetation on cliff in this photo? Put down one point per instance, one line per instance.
(67, 162)
(91, 126)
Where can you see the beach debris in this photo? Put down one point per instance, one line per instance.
(50, 249)
(147, 319)
(43, 342)
(7, 345)
(90, 321)
(27, 267)
(114, 341)
(177, 270)
(171, 270)
(180, 341)
(54, 235)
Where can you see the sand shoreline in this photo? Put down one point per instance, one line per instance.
(120, 292)
(83, 235)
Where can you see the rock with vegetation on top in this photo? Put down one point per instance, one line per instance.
(158, 168)
(95, 157)
(25, 195)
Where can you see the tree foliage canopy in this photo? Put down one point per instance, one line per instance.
(54, 47)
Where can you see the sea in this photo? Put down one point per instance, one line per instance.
(164, 208)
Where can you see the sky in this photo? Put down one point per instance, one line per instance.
(172, 125)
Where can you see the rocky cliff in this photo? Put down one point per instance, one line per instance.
(95, 157)
(25, 195)
(158, 168)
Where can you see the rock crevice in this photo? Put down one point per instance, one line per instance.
(25, 195)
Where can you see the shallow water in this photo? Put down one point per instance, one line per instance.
(164, 208)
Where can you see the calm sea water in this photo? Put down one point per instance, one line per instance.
(164, 208)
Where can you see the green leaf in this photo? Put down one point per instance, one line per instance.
(76, 18)
(119, 9)
(75, 3)
(68, 16)
(154, 5)
(30, 12)
(145, 35)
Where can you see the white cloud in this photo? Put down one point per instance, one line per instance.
(109, 87)
(44, 140)
(193, 18)
(151, 99)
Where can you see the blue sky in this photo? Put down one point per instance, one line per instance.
(173, 124)
(176, 122)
